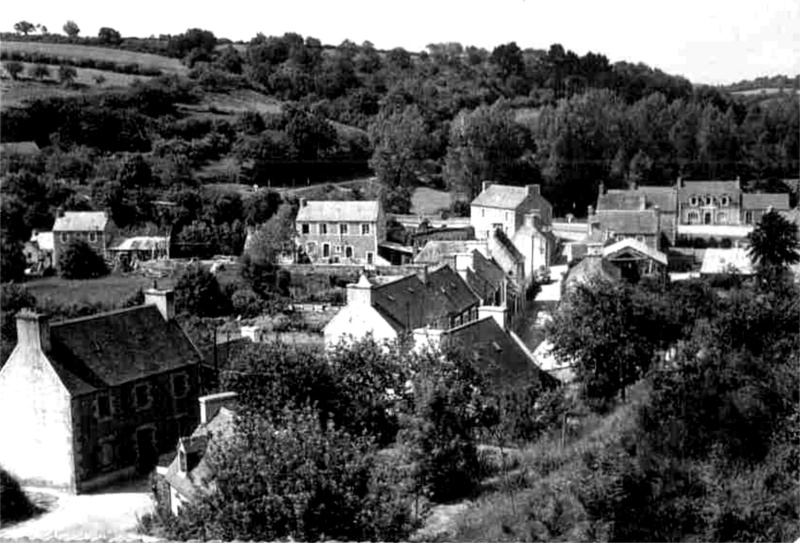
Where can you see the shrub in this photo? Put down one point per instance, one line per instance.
(80, 261)
(198, 292)
(14, 504)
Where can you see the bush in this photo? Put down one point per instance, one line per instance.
(14, 504)
(198, 292)
(80, 261)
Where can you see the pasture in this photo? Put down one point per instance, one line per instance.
(427, 201)
(119, 56)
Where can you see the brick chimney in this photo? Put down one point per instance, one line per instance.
(533, 189)
(33, 330)
(360, 293)
(164, 300)
(211, 404)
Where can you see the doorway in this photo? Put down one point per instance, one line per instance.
(707, 217)
(146, 450)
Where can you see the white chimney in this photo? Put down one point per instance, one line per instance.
(33, 330)
(498, 313)
(164, 300)
(211, 404)
(360, 293)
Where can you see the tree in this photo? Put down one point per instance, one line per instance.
(260, 207)
(197, 292)
(774, 244)
(39, 71)
(80, 261)
(264, 277)
(399, 139)
(276, 237)
(14, 68)
(71, 29)
(109, 36)
(66, 74)
(24, 27)
(12, 260)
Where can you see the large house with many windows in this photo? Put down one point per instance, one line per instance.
(347, 232)
(724, 203)
(94, 227)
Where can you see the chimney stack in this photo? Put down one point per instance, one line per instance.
(164, 300)
(211, 404)
(533, 189)
(33, 330)
(485, 185)
(360, 293)
(498, 313)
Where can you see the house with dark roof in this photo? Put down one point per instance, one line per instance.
(592, 269)
(662, 201)
(440, 299)
(340, 231)
(522, 215)
(756, 204)
(642, 225)
(636, 260)
(94, 227)
(86, 401)
(710, 202)
(185, 472)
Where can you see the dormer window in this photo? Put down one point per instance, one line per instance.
(725, 201)
(693, 201)
(709, 200)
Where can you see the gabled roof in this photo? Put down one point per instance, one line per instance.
(340, 211)
(592, 268)
(628, 222)
(457, 294)
(117, 347)
(630, 244)
(666, 198)
(497, 353)
(81, 221)
(627, 200)
(487, 269)
(19, 148)
(763, 200)
(520, 199)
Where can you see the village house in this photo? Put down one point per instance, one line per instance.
(636, 260)
(439, 299)
(643, 225)
(660, 200)
(592, 269)
(349, 232)
(87, 401)
(184, 472)
(94, 227)
(522, 216)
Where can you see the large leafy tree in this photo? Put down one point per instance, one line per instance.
(774, 243)
(71, 29)
(80, 261)
(399, 139)
(197, 292)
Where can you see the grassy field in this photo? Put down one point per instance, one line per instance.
(427, 201)
(70, 51)
(110, 291)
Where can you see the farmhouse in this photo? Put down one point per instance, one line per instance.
(522, 216)
(660, 200)
(330, 232)
(94, 227)
(439, 300)
(86, 401)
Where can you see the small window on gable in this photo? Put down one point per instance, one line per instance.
(182, 463)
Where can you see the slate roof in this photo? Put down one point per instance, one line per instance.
(408, 303)
(666, 198)
(763, 200)
(511, 198)
(81, 221)
(628, 222)
(19, 148)
(712, 188)
(339, 211)
(220, 427)
(116, 347)
(589, 269)
(627, 200)
(498, 354)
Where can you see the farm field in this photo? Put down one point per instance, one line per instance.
(427, 201)
(70, 51)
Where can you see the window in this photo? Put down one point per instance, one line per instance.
(326, 250)
(182, 463)
(337, 249)
(748, 217)
(64, 237)
(722, 217)
(311, 248)
(370, 258)
(141, 396)
(365, 229)
(483, 212)
(102, 407)
(709, 200)
(105, 453)
(507, 215)
(93, 237)
(640, 238)
(725, 201)
(305, 228)
(180, 389)
(343, 229)
(693, 201)
(323, 229)
(348, 252)
(693, 217)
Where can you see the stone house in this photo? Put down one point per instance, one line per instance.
(87, 401)
(38, 252)
(660, 200)
(756, 204)
(349, 232)
(184, 472)
(94, 227)
(523, 216)
(709, 202)
(440, 299)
